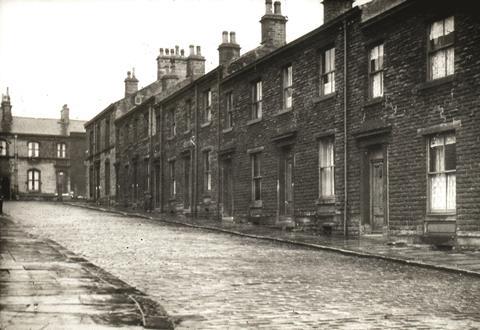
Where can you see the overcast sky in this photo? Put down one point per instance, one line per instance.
(77, 52)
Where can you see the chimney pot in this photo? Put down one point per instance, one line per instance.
(172, 51)
(268, 6)
(233, 37)
(177, 50)
(167, 51)
(129, 74)
(199, 51)
(161, 51)
(225, 37)
(278, 8)
(192, 50)
(182, 52)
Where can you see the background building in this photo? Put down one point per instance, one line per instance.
(39, 157)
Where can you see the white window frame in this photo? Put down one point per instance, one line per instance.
(376, 57)
(327, 72)
(257, 99)
(173, 181)
(33, 149)
(207, 171)
(207, 103)
(33, 180)
(440, 141)
(229, 105)
(441, 45)
(288, 87)
(61, 150)
(326, 165)
(256, 168)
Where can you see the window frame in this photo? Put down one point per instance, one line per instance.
(207, 171)
(173, 181)
(188, 115)
(3, 148)
(229, 106)
(256, 176)
(447, 173)
(324, 73)
(257, 100)
(372, 73)
(61, 150)
(324, 143)
(442, 48)
(207, 106)
(32, 179)
(172, 124)
(287, 84)
(31, 151)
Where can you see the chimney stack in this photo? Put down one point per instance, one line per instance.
(228, 49)
(273, 26)
(195, 62)
(131, 84)
(6, 123)
(335, 8)
(65, 114)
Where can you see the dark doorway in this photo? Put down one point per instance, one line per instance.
(286, 183)
(377, 190)
(227, 188)
(187, 182)
(5, 187)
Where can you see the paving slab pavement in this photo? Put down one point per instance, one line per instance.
(421, 255)
(45, 286)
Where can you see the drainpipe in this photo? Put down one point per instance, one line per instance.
(160, 137)
(195, 157)
(345, 142)
(219, 77)
(151, 182)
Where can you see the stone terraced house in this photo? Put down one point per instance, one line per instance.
(367, 125)
(41, 158)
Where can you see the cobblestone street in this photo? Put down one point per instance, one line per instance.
(208, 280)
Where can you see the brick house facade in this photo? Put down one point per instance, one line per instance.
(366, 125)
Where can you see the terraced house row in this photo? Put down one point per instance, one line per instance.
(368, 124)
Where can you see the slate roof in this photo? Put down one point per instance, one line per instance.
(43, 126)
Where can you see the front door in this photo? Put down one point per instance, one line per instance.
(227, 188)
(61, 183)
(187, 183)
(5, 187)
(377, 191)
(286, 184)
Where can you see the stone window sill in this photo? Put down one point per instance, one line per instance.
(324, 97)
(373, 101)
(227, 130)
(206, 124)
(325, 200)
(283, 111)
(254, 121)
(256, 204)
(437, 82)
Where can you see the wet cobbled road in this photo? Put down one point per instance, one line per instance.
(216, 281)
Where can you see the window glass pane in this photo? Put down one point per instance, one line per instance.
(451, 191)
(436, 30)
(437, 192)
(377, 84)
(437, 159)
(257, 190)
(450, 53)
(450, 157)
(449, 25)
(259, 91)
